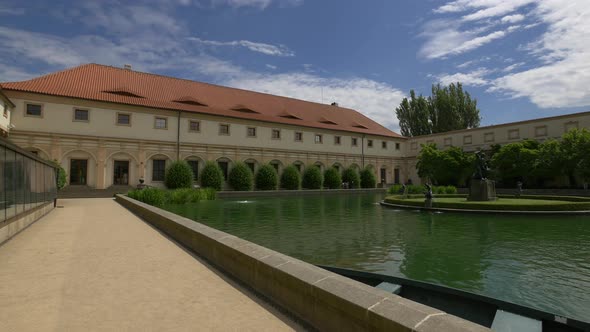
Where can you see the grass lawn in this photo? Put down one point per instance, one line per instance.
(499, 201)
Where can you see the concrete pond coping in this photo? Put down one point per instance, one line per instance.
(507, 212)
(322, 299)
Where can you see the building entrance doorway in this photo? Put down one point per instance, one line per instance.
(78, 171)
(396, 176)
(384, 175)
(121, 173)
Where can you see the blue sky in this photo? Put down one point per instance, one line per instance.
(521, 59)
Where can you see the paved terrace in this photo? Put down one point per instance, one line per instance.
(92, 265)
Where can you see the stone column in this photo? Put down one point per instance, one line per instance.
(101, 167)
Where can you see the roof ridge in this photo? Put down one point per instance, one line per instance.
(215, 85)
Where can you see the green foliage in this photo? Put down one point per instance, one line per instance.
(575, 147)
(61, 174)
(515, 162)
(151, 196)
(450, 166)
(266, 178)
(212, 176)
(179, 175)
(159, 197)
(291, 179)
(450, 190)
(241, 177)
(448, 108)
(351, 176)
(413, 189)
(312, 178)
(332, 178)
(368, 179)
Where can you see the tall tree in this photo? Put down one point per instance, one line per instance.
(448, 108)
(413, 115)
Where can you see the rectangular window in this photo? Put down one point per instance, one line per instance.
(397, 146)
(123, 119)
(355, 141)
(223, 129)
(298, 136)
(251, 132)
(384, 145)
(488, 137)
(370, 143)
(158, 169)
(467, 139)
(318, 138)
(448, 141)
(223, 165)
(251, 166)
(570, 125)
(81, 115)
(540, 131)
(337, 140)
(414, 146)
(161, 123)
(34, 109)
(276, 134)
(513, 134)
(5, 109)
(194, 164)
(194, 126)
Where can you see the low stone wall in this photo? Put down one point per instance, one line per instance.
(321, 298)
(554, 192)
(13, 226)
(274, 193)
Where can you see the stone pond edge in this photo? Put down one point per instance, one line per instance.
(320, 298)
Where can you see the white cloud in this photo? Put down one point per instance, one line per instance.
(11, 10)
(512, 67)
(475, 78)
(512, 18)
(563, 79)
(482, 9)
(260, 4)
(268, 49)
(269, 66)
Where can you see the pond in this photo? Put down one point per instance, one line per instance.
(538, 261)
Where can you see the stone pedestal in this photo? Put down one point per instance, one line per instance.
(482, 190)
(428, 203)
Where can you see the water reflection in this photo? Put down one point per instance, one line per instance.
(537, 261)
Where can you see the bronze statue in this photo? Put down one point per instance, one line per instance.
(428, 192)
(481, 166)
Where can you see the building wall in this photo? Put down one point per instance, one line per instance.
(5, 113)
(55, 135)
(484, 137)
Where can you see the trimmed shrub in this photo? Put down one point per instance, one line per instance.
(240, 177)
(332, 179)
(159, 197)
(418, 190)
(312, 178)
(368, 178)
(266, 178)
(151, 196)
(61, 175)
(291, 179)
(351, 176)
(212, 176)
(179, 175)
(450, 190)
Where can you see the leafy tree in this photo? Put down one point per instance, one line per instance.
(312, 178)
(240, 177)
(212, 176)
(179, 175)
(351, 176)
(61, 175)
(291, 179)
(413, 116)
(267, 178)
(332, 178)
(514, 162)
(368, 179)
(452, 166)
(574, 147)
(428, 161)
(549, 160)
(448, 108)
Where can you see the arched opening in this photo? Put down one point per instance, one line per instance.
(121, 170)
(278, 165)
(319, 165)
(196, 164)
(80, 166)
(338, 167)
(252, 164)
(225, 165)
(299, 165)
(156, 169)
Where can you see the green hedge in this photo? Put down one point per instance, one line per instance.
(368, 178)
(418, 189)
(240, 177)
(266, 178)
(61, 175)
(312, 178)
(291, 179)
(179, 175)
(566, 206)
(351, 176)
(211, 176)
(332, 179)
(159, 197)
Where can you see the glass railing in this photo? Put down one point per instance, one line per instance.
(26, 181)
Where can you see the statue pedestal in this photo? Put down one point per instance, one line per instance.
(428, 203)
(482, 190)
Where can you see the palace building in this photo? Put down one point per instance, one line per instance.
(111, 126)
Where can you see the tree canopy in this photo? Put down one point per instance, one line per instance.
(448, 108)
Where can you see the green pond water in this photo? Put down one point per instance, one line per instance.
(538, 261)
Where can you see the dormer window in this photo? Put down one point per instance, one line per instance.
(243, 109)
(189, 101)
(288, 115)
(125, 92)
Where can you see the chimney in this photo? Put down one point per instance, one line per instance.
(127, 66)
(334, 104)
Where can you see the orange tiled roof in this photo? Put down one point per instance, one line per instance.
(122, 86)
